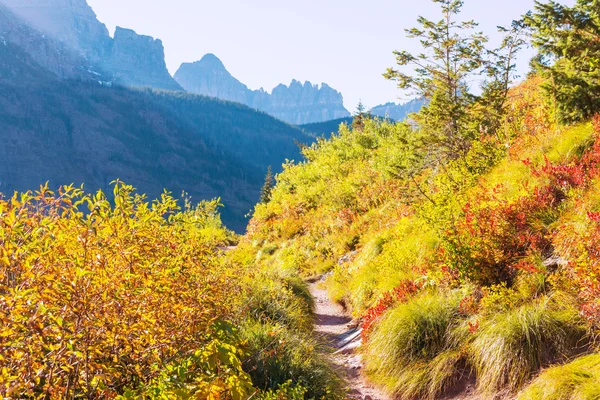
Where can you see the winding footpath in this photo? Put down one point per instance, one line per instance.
(334, 326)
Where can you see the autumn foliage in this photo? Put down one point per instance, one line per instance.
(99, 300)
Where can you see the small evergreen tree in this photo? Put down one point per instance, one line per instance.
(452, 53)
(568, 41)
(267, 189)
(358, 122)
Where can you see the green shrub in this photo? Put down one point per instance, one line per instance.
(578, 380)
(287, 391)
(510, 347)
(279, 355)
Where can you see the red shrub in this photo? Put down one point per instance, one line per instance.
(492, 236)
(400, 294)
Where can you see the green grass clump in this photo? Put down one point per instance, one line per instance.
(413, 350)
(510, 347)
(279, 355)
(578, 380)
(279, 299)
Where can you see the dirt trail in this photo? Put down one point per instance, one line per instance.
(332, 323)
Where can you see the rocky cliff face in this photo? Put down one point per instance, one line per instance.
(71, 21)
(129, 59)
(53, 56)
(297, 104)
(304, 104)
(137, 60)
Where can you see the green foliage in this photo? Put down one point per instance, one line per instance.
(578, 380)
(213, 372)
(568, 42)
(265, 191)
(287, 391)
(279, 355)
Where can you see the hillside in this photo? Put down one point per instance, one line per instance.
(326, 128)
(392, 255)
(464, 244)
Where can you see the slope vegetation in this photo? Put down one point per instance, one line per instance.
(480, 273)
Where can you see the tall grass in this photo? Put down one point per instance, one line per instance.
(578, 380)
(413, 350)
(509, 348)
(279, 355)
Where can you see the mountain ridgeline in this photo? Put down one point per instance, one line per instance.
(297, 104)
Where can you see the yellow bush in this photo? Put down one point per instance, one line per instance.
(98, 301)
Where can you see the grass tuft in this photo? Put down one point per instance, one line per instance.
(510, 347)
(578, 380)
(279, 355)
(412, 351)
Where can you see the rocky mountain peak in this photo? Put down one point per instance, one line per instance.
(210, 61)
(298, 103)
(209, 77)
(70, 21)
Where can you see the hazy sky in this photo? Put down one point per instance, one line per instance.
(345, 43)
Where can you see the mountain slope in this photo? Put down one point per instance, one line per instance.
(81, 131)
(297, 104)
(327, 127)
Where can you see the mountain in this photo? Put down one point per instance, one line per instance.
(64, 128)
(296, 104)
(53, 56)
(72, 22)
(128, 58)
(397, 112)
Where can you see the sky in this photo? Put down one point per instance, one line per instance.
(347, 44)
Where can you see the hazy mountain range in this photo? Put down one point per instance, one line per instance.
(297, 103)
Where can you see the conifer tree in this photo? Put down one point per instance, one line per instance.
(568, 41)
(452, 54)
(455, 56)
(358, 122)
(267, 189)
